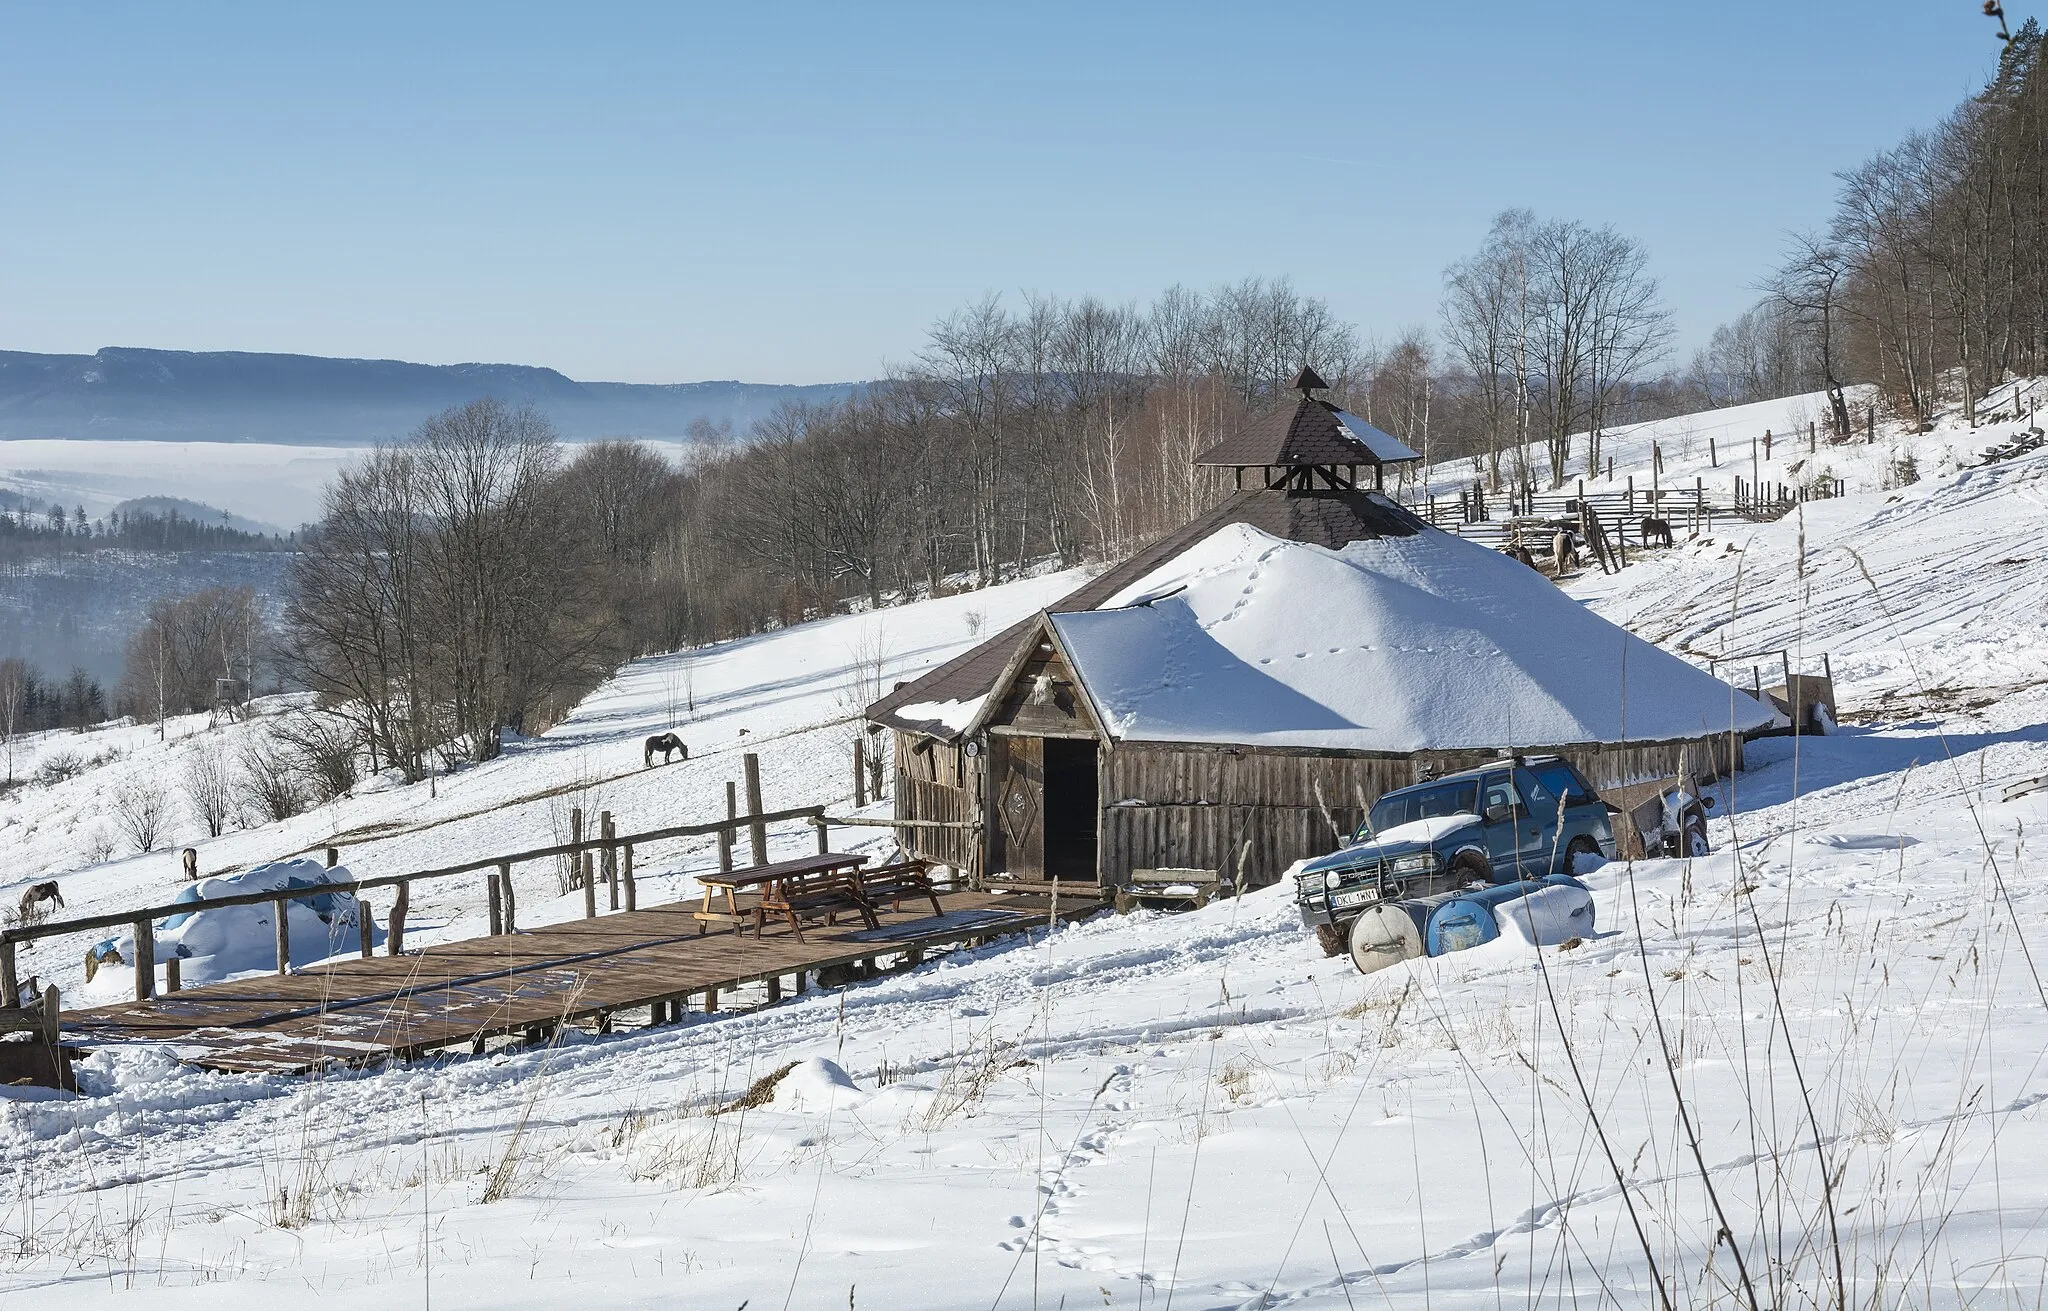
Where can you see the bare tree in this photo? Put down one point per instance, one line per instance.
(209, 786)
(1810, 285)
(142, 814)
(266, 782)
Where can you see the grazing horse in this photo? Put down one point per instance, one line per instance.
(1519, 552)
(1563, 553)
(1658, 531)
(41, 892)
(666, 744)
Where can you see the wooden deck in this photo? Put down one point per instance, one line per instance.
(360, 1012)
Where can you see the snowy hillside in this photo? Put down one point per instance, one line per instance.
(1196, 1110)
(1715, 446)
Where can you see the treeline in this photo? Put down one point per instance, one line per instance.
(29, 530)
(1930, 279)
(32, 701)
(196, 652)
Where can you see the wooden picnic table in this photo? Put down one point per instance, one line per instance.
(784, 881)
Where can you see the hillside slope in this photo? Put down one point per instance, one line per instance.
(1201, 1109)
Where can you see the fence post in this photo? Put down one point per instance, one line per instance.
(333, 857)
(173, 980)
(394, 941)
(611, 859)
(589, 887)
(860, 776)
(626, 874)
(284, 935)
(505, 895)
(1713, 455)
(145, 960)
(497, 911)
(363, 927)
(575, 840)
(824, 842)
(757, 829)
(10, 982)
(730, 834)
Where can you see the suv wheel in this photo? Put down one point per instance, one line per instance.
(1470, 867)
(1330, 939)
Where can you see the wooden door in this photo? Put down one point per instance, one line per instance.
(1017, 801)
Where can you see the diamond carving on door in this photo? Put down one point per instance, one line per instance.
(1020, 810)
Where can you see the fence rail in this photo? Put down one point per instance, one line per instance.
(618, 875)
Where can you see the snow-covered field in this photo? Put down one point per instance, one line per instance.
(1198, 1110)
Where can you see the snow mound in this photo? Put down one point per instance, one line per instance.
(1546, 917)
(815, 1086)
(232, 941)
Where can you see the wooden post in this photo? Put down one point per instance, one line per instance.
(1870, 423)
(1713, 455)
(282, 907)
(172, 978)
(730, 833)
(1630, 512)
(1767, 443)
(333, 857)
(575, 839)
(363, 927)
(145, 960)
(711, 999)
(611, 858)
(505, 895)
(626, 873)
(1812, 439)
(394, 941)
(860, 776)
(497, 910)
(10, 982)
(824, 840)
(589, 887)
(774, 988)
(757, 831)
(801, 982)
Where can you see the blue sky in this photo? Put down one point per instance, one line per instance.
(792, 193)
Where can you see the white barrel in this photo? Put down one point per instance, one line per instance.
(1386, 934)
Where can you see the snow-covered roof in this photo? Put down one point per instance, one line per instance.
(1396, 645)
(1385, 446)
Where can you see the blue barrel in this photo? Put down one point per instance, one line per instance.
(1466, 919)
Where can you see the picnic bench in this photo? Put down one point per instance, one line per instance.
(821, 885)
(812, 887)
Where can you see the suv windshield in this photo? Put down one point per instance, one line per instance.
(1395, 809)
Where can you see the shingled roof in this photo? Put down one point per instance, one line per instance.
(1311, 432)
(1330, 517)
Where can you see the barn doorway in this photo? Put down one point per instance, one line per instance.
(1072, 805)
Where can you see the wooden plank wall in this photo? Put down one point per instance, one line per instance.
(933, 782)
(1188, 808)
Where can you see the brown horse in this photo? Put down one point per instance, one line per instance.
(38, 893)
(667, 744)
(1657, 531)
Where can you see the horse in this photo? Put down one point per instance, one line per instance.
(1519, 552)
(667, 744)
(38, 893)
(1657, 531)
(1563, 553)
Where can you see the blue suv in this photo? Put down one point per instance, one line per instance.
(1519, 819)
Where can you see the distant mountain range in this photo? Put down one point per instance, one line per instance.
(131, 393)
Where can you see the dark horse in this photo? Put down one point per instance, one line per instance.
(1658, 531)
(666, 744)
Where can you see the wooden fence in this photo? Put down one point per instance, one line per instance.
(614, 868)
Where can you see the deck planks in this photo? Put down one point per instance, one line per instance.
(360, 1012)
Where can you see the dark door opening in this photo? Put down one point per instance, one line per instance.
(1072, 803)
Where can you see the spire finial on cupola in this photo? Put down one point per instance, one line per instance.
(1308, 381)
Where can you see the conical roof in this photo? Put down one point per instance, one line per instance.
(1309, 432)
(1393, 645)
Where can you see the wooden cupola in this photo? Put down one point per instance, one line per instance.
(1309, 443)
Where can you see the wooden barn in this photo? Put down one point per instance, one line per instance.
(1226, 698)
